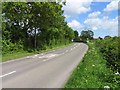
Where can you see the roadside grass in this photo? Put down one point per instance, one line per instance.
(20, 54)
(92, 72)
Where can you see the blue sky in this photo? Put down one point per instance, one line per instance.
(100, 17)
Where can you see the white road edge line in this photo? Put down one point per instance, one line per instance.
(7, 74)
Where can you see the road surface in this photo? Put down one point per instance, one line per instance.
(46, 70)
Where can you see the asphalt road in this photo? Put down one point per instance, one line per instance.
(46, 70)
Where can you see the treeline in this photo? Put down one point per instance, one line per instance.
(109, 47)
(33, 26)
(85, 36)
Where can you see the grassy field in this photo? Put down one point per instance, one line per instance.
(92, 72)
(15, 55)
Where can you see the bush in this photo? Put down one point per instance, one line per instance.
(9, 47)
(110, 50)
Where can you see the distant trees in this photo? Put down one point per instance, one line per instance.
(76, 38)
(76, 33)
(33, 25)
(86, 35)
(107, 37)
(100, 38)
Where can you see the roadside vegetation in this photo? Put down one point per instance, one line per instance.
(19, 54)
(29, 27)
(34, 27)
(109, 47)
(99, 68)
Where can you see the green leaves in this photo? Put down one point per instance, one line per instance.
(109, 47)
(35, 24)
(87, 35)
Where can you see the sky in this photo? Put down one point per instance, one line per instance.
(100, 17)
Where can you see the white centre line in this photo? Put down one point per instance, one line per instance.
(7, 74)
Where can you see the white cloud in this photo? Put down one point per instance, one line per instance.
(96, 22)
(75, 24)
(76, 7)
(94, 14)
(104, 23)
(94, 28)
(113, 5)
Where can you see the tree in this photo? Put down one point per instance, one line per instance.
(34, 25)
(100, 38)
(107, 37)
(76, 33)
(76, 36)
(86, 35)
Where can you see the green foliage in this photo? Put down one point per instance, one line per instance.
(92, 72)
(107, 37)
(33, 26)
(86, 35)
(76, 33)
(29, 52)
(76, 38)
(109, 48)
(8, 47)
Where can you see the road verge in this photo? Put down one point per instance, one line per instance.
(92, 72)
(21, 54)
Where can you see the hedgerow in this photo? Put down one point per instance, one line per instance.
(110, 50)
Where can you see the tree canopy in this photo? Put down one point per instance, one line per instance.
(87, 35)
(33, 25)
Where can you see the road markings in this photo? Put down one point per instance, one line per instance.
(7, 74)
(66, 51)
(28, 57)
(42, 54)
(40, 57)
(44, 60)
(36, 55)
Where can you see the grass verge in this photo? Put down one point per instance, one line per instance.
(92, 72)
(19, 54)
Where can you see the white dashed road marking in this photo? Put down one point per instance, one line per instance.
(66, 51)
(49, 56)
(7, 74)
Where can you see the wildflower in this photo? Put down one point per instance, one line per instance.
(93, 65)
(85, 68)
(107, 87)
(117, 73)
